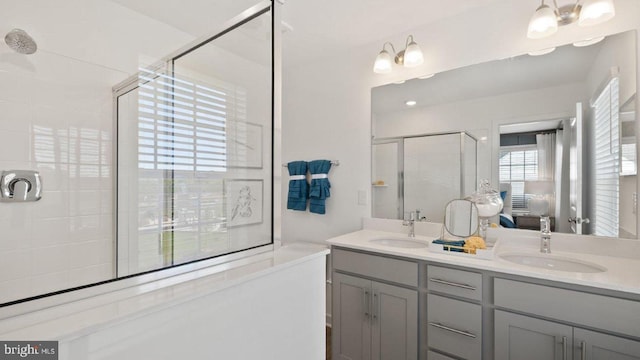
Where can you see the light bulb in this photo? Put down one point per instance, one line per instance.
(383, 63)
(413, 55)
(594, 12)
(543, 23)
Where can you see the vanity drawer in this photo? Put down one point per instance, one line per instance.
(598, 311)
(454, 327)
(376, 266)
(461, 283)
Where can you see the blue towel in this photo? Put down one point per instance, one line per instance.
(450, 242)
(298, 189)
(319, 185)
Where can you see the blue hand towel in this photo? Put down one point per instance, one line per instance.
(298, 187)
(319, 185)
(451, 243)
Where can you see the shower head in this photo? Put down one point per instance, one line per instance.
(20, 42)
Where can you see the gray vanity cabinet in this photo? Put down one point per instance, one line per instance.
(373, 319)
(591, 345)
(520, 337)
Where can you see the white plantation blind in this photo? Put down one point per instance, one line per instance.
(183, 124)
(607, 161)
(517, 165)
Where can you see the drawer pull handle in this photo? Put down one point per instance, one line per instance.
(445, 282)
(564, 348)
(583, 350)
(459, 332)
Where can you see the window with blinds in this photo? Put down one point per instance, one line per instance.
(195, 153)
(517, 165)
(183, 124)
(607, 161)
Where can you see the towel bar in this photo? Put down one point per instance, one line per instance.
(333, 162)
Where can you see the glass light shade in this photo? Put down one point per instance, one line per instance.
(383, 63)
(595, 12)
(544, 22)
(413, 55)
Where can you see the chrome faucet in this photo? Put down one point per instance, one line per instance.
(411, 224)
(545, 234)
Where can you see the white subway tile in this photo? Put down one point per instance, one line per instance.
(15, 235)
(51, 231)
(53, 259)
(15, 146)
(50, 282)
(16, 264)
(83, 202)
(53, 204)
(16, 116)
(16, 289)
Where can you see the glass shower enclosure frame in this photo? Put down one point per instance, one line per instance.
(422, 172)
(195, 174)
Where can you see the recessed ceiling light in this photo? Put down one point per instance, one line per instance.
(542, 52)
(399, 82)
(484, 138)
(410, 102)
(425, 76)
(587, 42)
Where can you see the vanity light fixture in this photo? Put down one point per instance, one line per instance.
(410, 103)
(545, 20)
(411, 56)
(587, 42)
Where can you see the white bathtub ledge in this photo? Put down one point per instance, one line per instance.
(75, 319)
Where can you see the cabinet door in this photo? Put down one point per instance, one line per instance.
(520, 337)
(394, 323)
(591, 345)
(351, 333)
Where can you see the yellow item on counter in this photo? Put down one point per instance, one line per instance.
(473, 243)
(494, 225)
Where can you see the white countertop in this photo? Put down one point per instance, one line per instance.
(622, 274)
(72, 319)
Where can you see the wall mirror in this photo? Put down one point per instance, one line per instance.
(540, 129)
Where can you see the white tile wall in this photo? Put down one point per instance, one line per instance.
(56, 118)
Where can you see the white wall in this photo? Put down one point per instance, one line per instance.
(326, 104)
(279, 316)
(56, 117)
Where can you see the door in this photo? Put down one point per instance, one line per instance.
(351, 335)
(591, 345)
(575, 172)
(394, 323)
(432, 174)
(520, 337)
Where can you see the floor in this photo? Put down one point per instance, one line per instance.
(328, 329)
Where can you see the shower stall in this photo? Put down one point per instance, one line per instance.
(149, 157)
(422, 173)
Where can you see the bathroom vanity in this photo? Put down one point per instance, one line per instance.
(395, 299)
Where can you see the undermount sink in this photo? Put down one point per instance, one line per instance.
(401, 243)
(552, 262)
